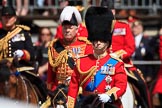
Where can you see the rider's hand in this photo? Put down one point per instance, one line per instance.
(18, 53)
(104, 98)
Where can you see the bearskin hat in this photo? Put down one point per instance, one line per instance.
(99, 23)
(70, 15)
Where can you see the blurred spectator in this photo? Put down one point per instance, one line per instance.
(143, 50)
(157, 90)
(22, 7)
(45, 36)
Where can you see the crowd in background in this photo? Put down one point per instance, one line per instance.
(147, 47)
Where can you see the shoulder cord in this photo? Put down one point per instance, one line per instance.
(62, 57)
(89, 72)
(4, 43)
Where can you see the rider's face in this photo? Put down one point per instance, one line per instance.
(9, 21)
(69, 32)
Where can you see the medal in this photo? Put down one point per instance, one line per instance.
(109, 69)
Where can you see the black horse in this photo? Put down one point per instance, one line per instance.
(60, 96)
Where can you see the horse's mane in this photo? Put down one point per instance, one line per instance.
(4, 70)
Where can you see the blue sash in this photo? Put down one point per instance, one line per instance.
(99, 77)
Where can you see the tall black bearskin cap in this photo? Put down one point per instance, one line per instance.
(8, 10)
(99, 23)
(108, 3)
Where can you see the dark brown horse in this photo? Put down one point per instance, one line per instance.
(19, 86)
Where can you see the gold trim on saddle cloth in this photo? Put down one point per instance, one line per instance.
(20, 69)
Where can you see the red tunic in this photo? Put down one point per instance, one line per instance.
(123, 39)
(117, 83)
(60, 73)
(82, 31)
(158, 87)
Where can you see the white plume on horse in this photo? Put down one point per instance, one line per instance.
(8, 103)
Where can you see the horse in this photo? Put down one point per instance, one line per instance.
(16, 85)
(59, 96)
(92, 101)
(128, 98)
(137, 93)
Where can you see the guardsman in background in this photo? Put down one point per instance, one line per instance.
(15, 40)
(123, 46)
(157, 90)
(64, 52)
(99, 73)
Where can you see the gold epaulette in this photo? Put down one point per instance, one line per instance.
(27, 28)
(112, 55)
(91, 70)
(123, 21)
(87, 73)
(84, 39)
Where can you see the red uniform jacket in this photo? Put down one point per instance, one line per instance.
(123, 39)
(60, 71)
(158, 87)
(82, 31)
(0, 25)
(112, 82)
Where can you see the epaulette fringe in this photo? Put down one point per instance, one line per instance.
(27, 28)
(84, 39)
(112, 55)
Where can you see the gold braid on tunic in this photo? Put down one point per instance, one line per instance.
(89, 72)
(61, 58)
(4, 42)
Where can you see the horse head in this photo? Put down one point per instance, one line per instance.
(8, 79)
(60, 96)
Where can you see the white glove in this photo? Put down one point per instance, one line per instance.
(18, 53)
(104, 98)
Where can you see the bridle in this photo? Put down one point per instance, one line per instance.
(60, 102)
